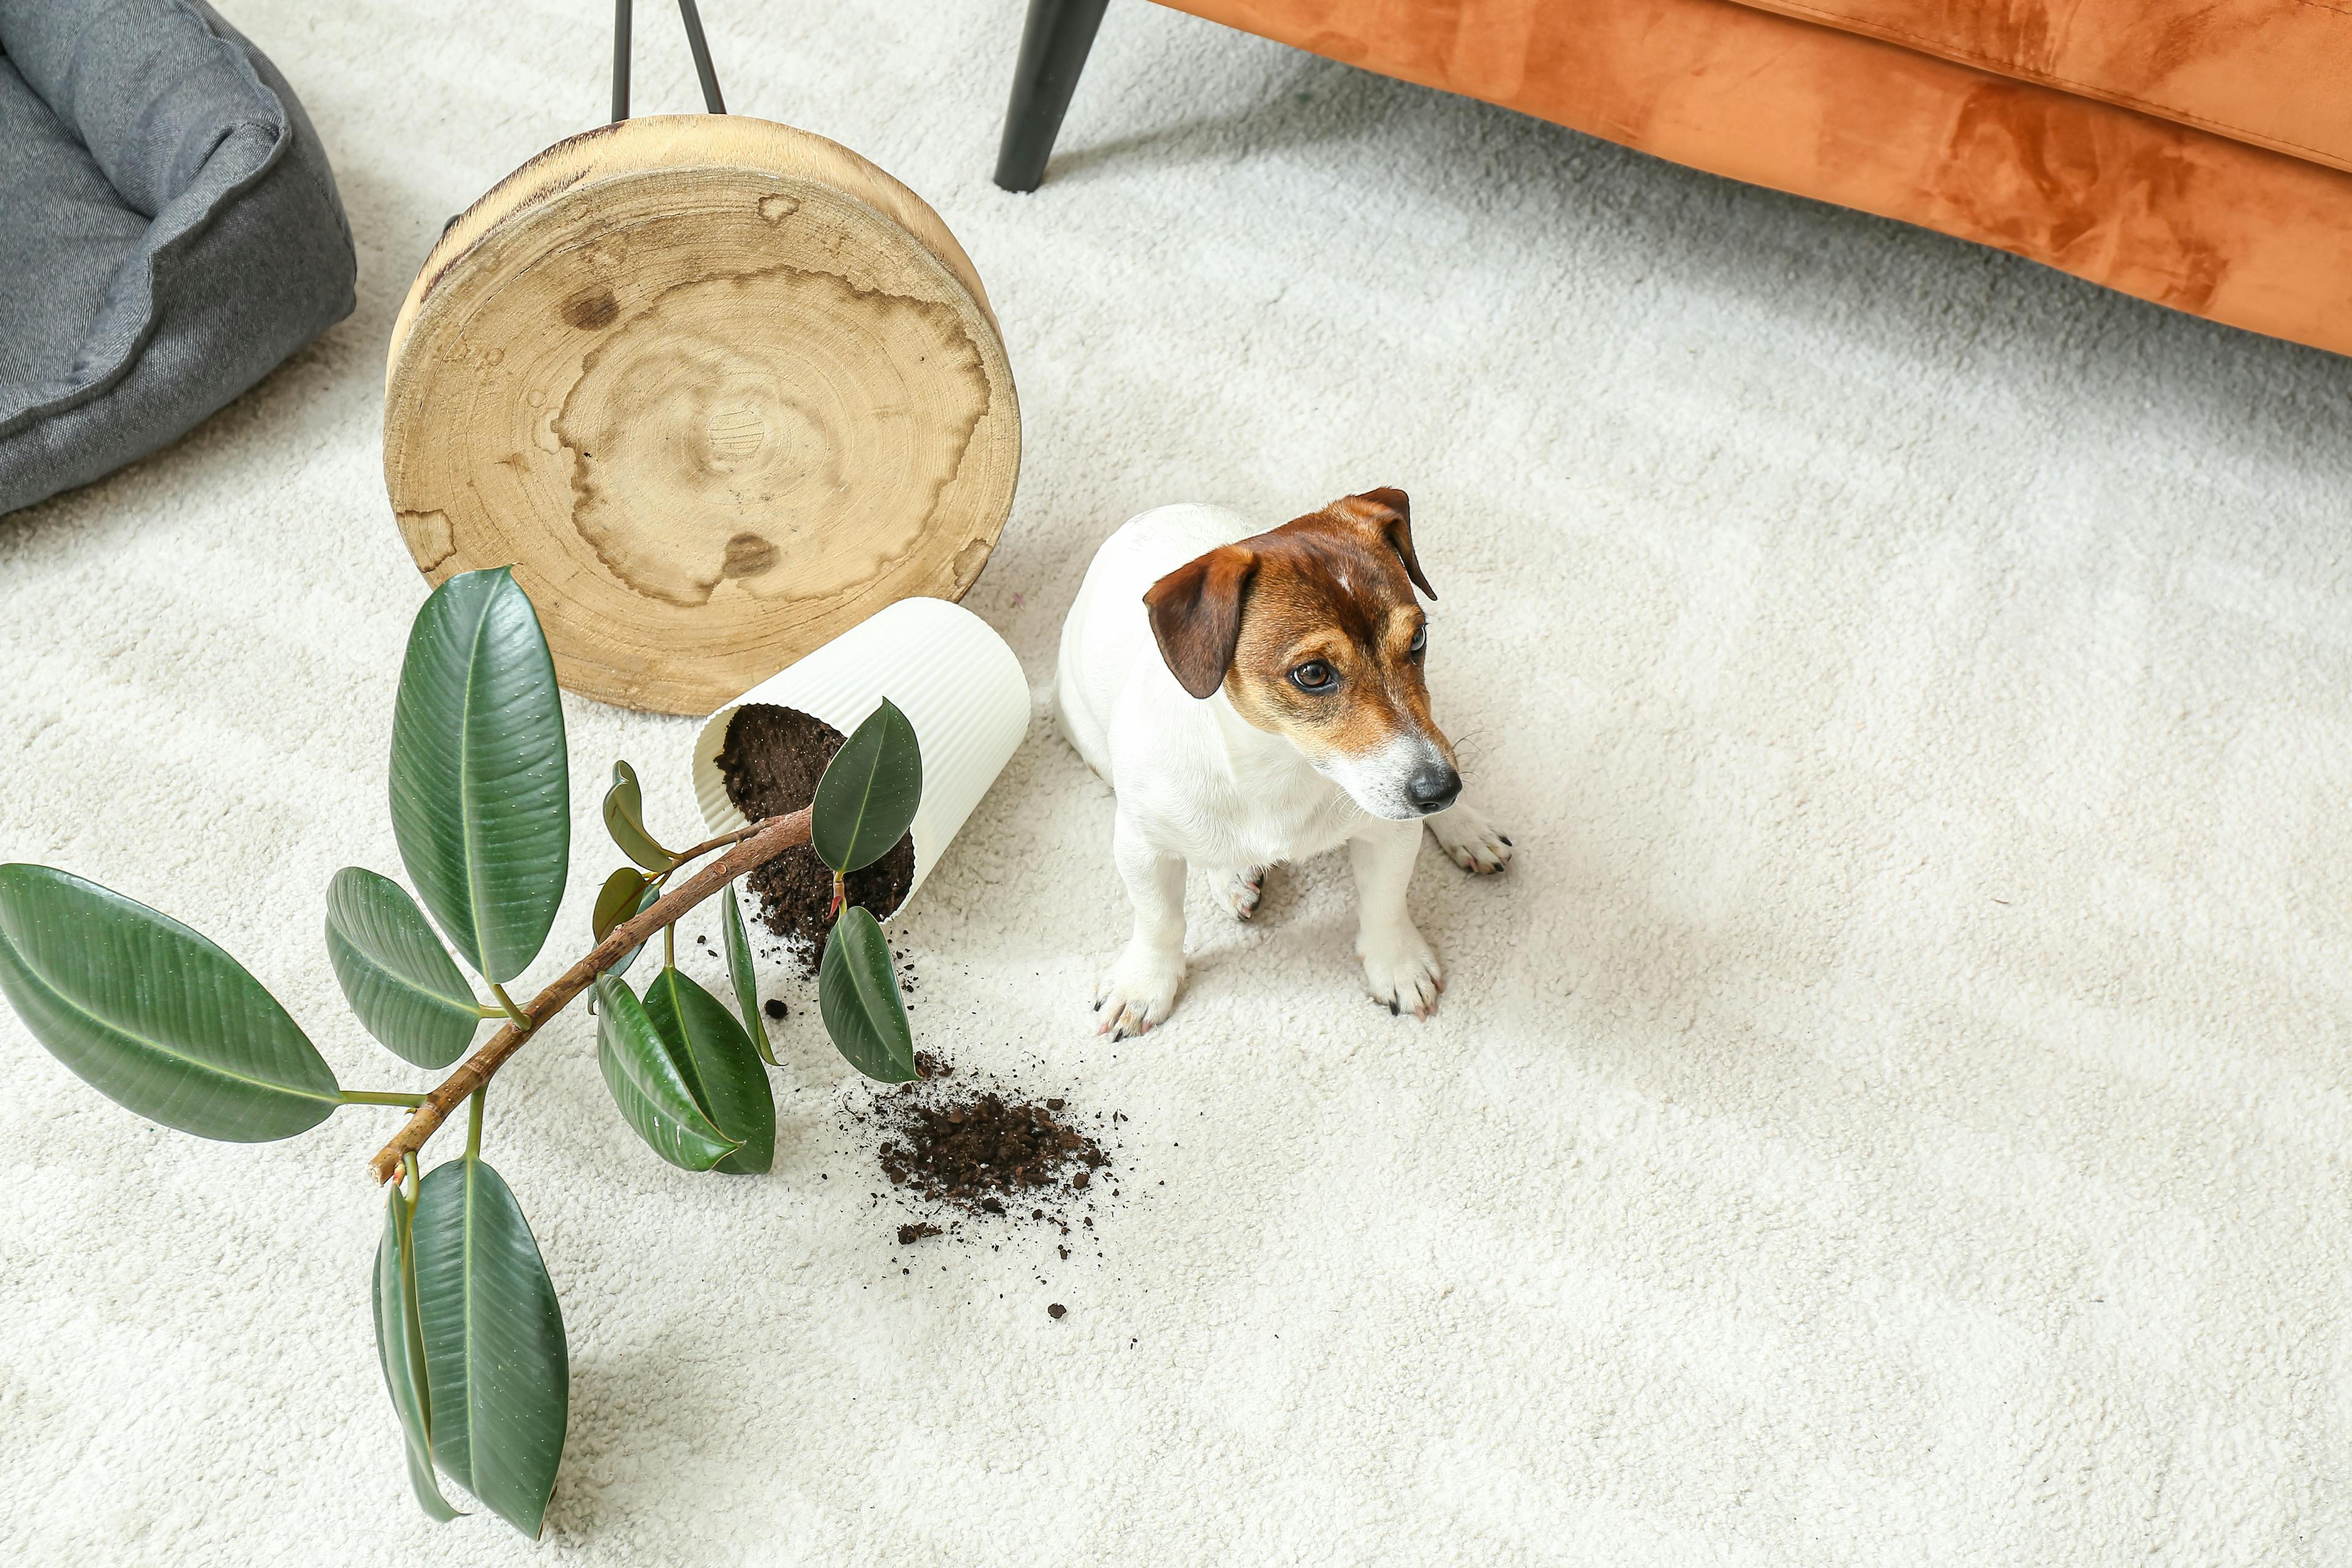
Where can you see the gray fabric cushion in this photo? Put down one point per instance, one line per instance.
(169, 232)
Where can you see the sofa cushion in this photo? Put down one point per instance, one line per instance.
(2271, 72)
(173, 232)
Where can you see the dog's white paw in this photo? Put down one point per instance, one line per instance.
(1470, 840)
(1242, 891)
(1401, 970)
(1139, 991)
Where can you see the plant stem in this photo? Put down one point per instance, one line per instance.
(522, 1021)
(708, 844)
(759, 844)
(416, 1179)
(474, 1123)
(669, 945)
(380, 1097)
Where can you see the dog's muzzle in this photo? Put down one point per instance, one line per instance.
(1432, 787)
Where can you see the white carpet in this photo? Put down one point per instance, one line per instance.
(1894, 1110)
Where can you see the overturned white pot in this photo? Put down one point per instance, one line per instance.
(957, 681)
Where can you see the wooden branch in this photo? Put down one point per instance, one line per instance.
(766, 840)
(721, 842)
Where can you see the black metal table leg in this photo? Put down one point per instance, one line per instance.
(1054, 45)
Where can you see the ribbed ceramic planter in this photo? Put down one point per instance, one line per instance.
(954, 679)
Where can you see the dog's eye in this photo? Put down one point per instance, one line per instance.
(1420, 639)
(1313, 675)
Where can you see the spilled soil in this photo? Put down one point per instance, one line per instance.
(772, 761)
(978, 1150)
(959, 1147)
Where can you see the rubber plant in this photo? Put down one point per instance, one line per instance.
(469, 1329)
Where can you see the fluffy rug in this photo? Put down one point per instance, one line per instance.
(1894, 1111)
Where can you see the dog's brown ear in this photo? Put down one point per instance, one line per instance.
(1196, 615)
(1387, 512)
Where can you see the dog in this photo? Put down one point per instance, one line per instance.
(1257, 698)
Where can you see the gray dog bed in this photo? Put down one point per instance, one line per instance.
(169, 232)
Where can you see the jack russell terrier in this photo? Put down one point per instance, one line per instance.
(1281, 712)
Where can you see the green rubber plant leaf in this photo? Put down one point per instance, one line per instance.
(743, 978)
(868, 794)
(481, 794)
(401, 981)
(858, 994)
(618, 900)
(646, 901)
(624, 806)
(399, 1351)
(646, 1084)
(719, 1067)
(494, 1353)
(154, 1015)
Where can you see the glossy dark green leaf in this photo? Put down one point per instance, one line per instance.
(647, 1085)
(481, 792)
(618, 900)
(742, 978)
(720, 1068)
(401, 981)
(868, 794)
(494, 1352)
(624, 819)
(858, 992)
(399, 1351)
(154, 1015)
(646, 901)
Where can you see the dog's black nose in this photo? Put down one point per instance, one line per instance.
(1432, 787)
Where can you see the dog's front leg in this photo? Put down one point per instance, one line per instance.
(1142, 986)
(1399, 966)
(1469, 841)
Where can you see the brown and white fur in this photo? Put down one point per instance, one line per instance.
(1256, 699)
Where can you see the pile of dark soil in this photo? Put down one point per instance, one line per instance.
(975, 1149)
(772, 761)
(972, 1149)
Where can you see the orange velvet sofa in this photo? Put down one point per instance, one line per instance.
(2194, 153)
